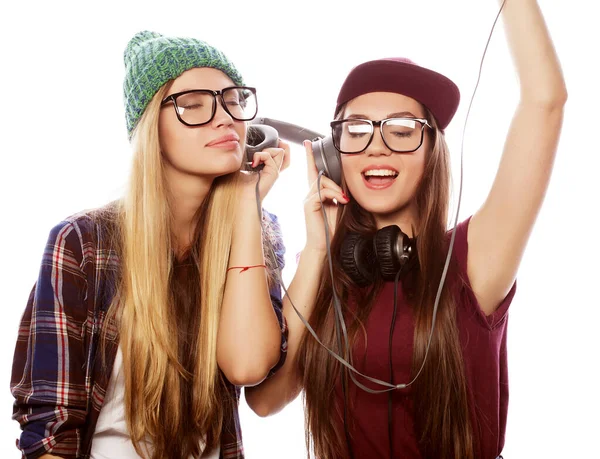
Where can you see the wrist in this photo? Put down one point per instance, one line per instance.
(247, 214)
(248, 201)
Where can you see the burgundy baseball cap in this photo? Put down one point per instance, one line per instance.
(400, 75)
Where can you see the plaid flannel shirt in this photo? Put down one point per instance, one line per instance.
(59, 379)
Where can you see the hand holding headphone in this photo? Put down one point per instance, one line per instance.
(323, 201)
(259, 138)
(266, 155)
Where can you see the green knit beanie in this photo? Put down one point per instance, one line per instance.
(152, 59)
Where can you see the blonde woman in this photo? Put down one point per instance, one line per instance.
(149, 314)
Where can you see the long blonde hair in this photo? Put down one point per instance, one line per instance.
(155, 378)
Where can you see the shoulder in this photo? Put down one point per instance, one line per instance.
(82, 234)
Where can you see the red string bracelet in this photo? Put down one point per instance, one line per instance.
(245, 268)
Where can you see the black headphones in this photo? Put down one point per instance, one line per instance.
(384, 253)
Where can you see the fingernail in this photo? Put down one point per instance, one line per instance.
(345, 196)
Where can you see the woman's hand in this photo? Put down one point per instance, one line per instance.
(275, 160)
(315, 225)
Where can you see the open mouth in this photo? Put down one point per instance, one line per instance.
(379, 178)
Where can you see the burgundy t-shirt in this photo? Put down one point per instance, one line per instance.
(483, 341)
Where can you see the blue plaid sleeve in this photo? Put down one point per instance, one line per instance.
(49, 375)
(276, 240)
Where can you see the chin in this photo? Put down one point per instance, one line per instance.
(228, 166)
(384, 205)
(224, 172)
(213, 172)
(381, 209)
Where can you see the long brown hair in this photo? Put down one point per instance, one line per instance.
(440, 403)
(175, 394)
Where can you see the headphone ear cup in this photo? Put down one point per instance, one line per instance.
(392, 249)
(259, 137)
(358, 259)
(327, 158)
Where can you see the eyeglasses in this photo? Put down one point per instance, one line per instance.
(198, 106)
(401, 135)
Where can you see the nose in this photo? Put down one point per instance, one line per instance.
(221, 118)
(377, 147)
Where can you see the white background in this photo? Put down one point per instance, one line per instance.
(64, 148)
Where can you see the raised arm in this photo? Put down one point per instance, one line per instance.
(499, 231)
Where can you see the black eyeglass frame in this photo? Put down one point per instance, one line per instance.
(422, 121)
(173, 98)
